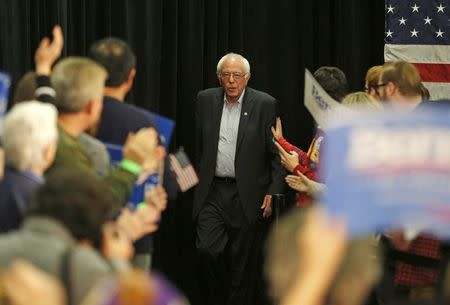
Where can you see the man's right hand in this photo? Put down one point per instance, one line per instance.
(142, 147)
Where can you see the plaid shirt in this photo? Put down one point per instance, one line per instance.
(409, 276)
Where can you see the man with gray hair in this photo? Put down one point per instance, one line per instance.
(29, 140)
(239, 170)
(79, 84)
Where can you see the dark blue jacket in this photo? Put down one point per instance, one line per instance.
(118, 119)
(16, 189)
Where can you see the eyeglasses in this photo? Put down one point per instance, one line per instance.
(378, 86)
(236, 75)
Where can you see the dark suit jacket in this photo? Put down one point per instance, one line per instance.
(257, 164)
(16, 189)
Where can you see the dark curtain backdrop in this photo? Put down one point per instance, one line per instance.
(178, 43)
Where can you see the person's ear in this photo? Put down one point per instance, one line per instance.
(219, 79)
(49, 154)
(89, 108)
(131, 76)
(391, 88)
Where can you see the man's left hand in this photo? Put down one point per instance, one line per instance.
(267, 206)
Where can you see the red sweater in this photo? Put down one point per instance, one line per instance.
(308, 162)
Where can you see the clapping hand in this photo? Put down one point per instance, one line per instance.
(157, 197)
(288, 160)
(140, 222)
(25, 284)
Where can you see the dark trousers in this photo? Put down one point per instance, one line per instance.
(228, 248)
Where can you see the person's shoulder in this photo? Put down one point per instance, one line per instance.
(261, 99)
(91, 142)
(260, 95)
(210, 92)
(127, 111)
(90, 259)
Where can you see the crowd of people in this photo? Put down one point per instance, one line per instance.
(70, 236)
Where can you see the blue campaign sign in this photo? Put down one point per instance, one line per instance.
(390, 170)
(5, 83)
(165, 128)
(115, 152)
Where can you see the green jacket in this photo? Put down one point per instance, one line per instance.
(71, 154)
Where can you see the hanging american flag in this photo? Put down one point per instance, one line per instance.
(419, 32)
(183, 169)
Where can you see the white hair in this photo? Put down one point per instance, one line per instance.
(244, 61)
(28, 129)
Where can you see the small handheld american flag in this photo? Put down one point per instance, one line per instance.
(183, 169)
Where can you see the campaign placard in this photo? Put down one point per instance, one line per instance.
(5, 83)
(322, 107)
(390, 170)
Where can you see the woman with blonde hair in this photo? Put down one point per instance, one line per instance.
(371, 81)
(361, 100)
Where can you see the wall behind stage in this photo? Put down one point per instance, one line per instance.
(178, 44)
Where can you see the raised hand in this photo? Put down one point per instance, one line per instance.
(157, 197)
(48, 52)
(142, 148)
(277, 132)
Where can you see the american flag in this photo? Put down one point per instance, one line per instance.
(183, 169)
(419, 32)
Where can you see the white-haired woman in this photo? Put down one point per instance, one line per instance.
(29, 141)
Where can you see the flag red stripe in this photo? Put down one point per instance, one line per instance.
(434, 72)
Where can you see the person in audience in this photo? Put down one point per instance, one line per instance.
(29, 141)
(361, 101)
(239, 171)
(119, 60)
(61, 227)
(309, 261)
(40, 88)
(371, 81)
(400, 86)
(45, 56)
(412, 260)
(333, 81)
(295, 160)
(79, 84)
(135, 287)
(26, 91)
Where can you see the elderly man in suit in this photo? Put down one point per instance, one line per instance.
(239, 170)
